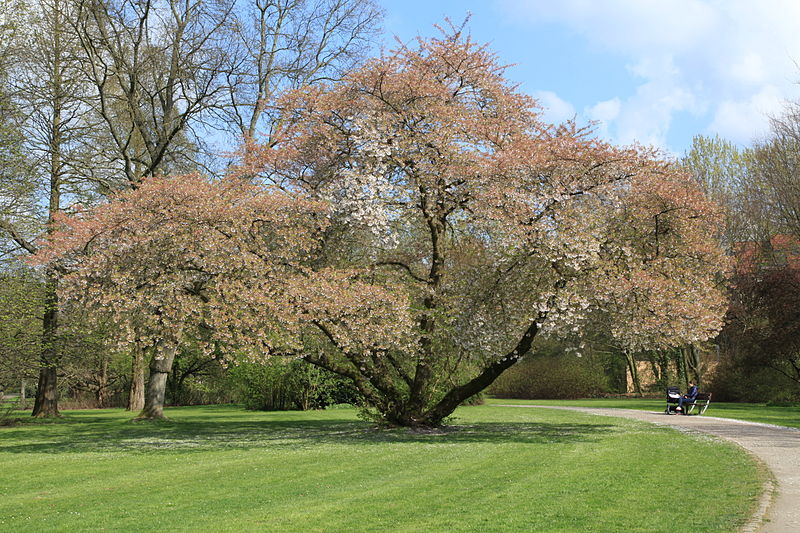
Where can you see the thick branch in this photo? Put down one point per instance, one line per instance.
(404, 267)
(375, 379)
(17, 237)
(457, 395)
(364, 387)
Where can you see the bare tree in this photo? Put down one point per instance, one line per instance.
(778, 167)
(157, 72)
(284, 44)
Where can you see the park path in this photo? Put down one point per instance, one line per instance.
(777, 447)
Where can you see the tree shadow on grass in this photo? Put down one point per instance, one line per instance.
(109, 434)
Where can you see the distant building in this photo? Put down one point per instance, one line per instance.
(779, 251)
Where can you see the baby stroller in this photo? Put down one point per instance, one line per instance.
(673, 398)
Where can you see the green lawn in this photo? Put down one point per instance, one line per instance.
(494, 469)
(753, 412)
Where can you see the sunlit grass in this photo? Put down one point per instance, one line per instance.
(492, 469)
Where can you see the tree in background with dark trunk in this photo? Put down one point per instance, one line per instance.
(47, 90)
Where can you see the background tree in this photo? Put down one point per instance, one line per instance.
(759, 190)
(157, 72)
(17, 185)
(102, 94)
(287, 44)
(157, 76)
(762, 321)
(727, 173)
(47, 92)
(166, 76)
(777, 162)
(20, 330)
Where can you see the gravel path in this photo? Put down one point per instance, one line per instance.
(778, 447)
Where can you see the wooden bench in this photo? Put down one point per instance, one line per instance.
(701, 402)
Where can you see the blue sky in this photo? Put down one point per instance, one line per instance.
(653, 71)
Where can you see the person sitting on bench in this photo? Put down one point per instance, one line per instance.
(689, 397)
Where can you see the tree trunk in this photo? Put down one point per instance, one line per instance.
(693, 364)
(654, 367)
(683, 371)
(160, 366)
(663, 362)
(434, 416)
(46, 404)
(47, 390)
(136, 397)
(102, 384)
(637, 385)
(22, 398)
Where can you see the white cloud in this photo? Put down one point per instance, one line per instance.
(749, 68)
(726, 61)
(622, 24)
(743, 120)
(646, 115)
(555, 109)
(604, 113)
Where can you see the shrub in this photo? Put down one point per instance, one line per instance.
(279, 385)
(551, 377)
(736, 382)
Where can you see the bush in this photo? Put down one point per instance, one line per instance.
(197, 379)
(735, 382)
(279, 385)
(478, 399)
(551, 377)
